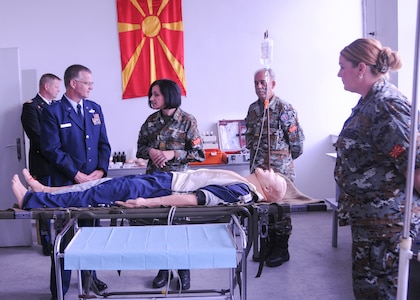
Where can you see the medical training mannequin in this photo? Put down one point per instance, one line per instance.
(265, 184)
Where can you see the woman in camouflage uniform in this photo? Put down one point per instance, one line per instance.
(371, 166)
(170, 140)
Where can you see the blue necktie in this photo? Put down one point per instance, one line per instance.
(79, 113)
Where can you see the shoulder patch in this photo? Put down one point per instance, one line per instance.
(196, 141)
(284, 117)
(396, 151)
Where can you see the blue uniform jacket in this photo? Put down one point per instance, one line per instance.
(39, 165)
(72, 146)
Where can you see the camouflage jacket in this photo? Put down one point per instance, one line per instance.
(180, 133)
(372, 156)
(286, 136)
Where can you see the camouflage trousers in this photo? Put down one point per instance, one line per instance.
(281, 224)
(375, 253)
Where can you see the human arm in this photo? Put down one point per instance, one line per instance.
(193, 149)
(249, 133)
(173, 144)
(417, 180)
(160, 157)
(104, 147)
(292, 130)
(31, 122)
(97, 174)
(82, 177)
(148, 136)
(211, 195)
(171, 200)
(148, 145)
(392, 136)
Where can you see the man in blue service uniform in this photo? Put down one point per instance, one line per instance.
(74, 138)
(39, 165)
(76, 144)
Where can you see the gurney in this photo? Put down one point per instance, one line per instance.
(212, 237)
(200, 215)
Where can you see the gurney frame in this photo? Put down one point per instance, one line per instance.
(239, 221)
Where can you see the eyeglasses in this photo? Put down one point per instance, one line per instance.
(88, 83)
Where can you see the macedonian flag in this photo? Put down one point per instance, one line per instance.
(151, 44)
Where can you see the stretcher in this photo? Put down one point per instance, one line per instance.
(256, 225)
(248, 222)
(204, 238)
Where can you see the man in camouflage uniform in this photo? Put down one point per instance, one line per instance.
(286, 144)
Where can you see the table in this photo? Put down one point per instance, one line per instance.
(332, 202)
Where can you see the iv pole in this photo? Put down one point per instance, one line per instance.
(266, 101)
(405, 243)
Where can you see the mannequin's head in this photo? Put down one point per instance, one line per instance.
(273, 185)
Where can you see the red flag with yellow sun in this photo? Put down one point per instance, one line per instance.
(151, 44)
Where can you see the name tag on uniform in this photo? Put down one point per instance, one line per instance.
(65, 125)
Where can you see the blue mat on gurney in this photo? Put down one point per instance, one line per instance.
(151, 247)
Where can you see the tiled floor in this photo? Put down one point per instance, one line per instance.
(315, 271)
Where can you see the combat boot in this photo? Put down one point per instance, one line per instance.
(280, 253)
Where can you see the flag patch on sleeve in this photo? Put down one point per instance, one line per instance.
(396, 151)
(196, 141)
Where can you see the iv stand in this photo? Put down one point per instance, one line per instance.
(266, 102)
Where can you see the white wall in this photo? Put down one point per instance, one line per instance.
(222, 42)
(407, 14)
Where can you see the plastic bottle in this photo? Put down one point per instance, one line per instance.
(266, 50)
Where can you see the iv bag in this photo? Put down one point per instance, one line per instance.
(266, 52)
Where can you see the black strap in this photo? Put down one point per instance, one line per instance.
(263, 245)
(45, 230)
(262, 212)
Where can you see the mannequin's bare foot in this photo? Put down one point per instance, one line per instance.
(18, 189)
(35, 185)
